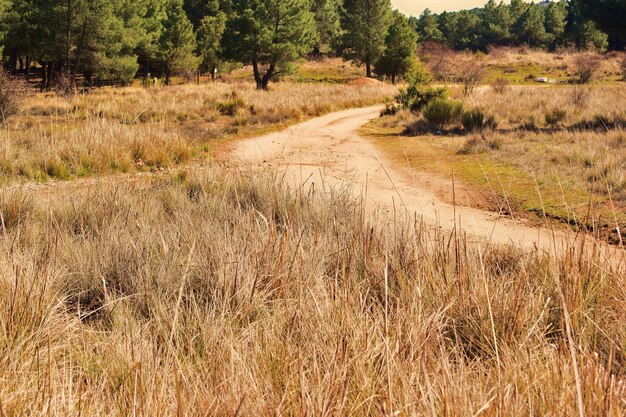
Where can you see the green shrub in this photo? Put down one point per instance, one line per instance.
(555, 117)
(441, 112)
(417, 97)
(477, 120)
(230, 107)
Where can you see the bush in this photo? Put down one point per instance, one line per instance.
(230, 107)
(501, 85)
(12, 92)
(587, 65)
(477, 120)
(417, 97)
(442, 112)
(555, 117)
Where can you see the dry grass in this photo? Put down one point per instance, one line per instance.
(227, 295)
(527, 165)
(120, 130)
(519, 63)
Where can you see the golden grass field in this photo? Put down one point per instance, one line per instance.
(574, 171)
(134, 129)
(222, 292)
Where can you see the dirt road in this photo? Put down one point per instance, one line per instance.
(328, 151)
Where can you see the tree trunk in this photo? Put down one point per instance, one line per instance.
(50, 76)
(257, 76)
(262, 81)
(12, 67)
(167, 77)
(393, 79)
(44, 75)
(368, 68)
(28, 63)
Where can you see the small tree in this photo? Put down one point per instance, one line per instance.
(400, 47)
(177, 42)
(470, 71)
(210, 35)
(270, 34)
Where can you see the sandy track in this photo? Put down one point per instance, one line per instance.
(327, 151)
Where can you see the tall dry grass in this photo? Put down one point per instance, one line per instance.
(120, 130)
(557, 150)
(226, 294)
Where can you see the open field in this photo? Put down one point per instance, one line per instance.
(135, 129)
(574, 171)
(522, 66)
(224, 294)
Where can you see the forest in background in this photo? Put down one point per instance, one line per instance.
(71, 42)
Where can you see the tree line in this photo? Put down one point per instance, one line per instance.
(70, 40)
(583, 24)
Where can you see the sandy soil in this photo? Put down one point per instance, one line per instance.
(328, 152)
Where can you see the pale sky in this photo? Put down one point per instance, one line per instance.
(416, 7)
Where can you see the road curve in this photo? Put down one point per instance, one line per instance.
(328, 151)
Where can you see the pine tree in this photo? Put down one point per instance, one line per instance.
(197, 10)
(427, 27)
(529, 29)
(496, 24)
(328, 21)
(177, 42)
(400, 47)
(269, 34)
(367, 22)
(609, 16)
(210, 35)
(555, 22)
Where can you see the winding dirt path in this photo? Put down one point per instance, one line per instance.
(327, 151)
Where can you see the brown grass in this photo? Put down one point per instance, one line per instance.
(521, 65)
(226, 294)
(120, 130)
(569, 161)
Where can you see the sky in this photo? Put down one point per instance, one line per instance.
(416, 7)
